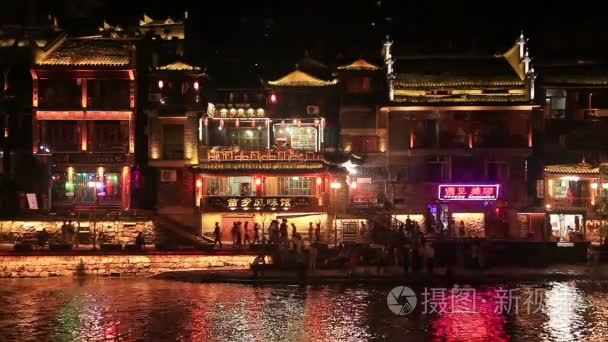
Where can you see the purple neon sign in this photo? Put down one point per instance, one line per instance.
(468, 192)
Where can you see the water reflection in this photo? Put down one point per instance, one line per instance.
(139, 309)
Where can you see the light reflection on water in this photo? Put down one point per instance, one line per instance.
(139, 309)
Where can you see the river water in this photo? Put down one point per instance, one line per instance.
(105, 309)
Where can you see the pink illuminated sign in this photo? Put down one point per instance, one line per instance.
(468, 192)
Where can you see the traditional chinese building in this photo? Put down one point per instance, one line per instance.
(84, 107)
(177, 98)
(575, 101)
(261, 155)
(459, 139)
(363, 133)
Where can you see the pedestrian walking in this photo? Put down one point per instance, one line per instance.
(318, 233)
(217, 234)
(294, 231)
(239, 234)
(283, 231)
(247, 239)
(256, 233)
(234, 228)
(310, 233)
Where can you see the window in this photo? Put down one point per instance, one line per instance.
(299, 138)
(296, 186)
(217, 186)
(497, 171)
(437, 169)
(245, 138)
(110, 136)
(61, 135)
(556, 101)
(560, 188)
(173, 142)
(365, 144)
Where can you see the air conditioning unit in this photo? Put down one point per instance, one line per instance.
(168, 176)
(312, 110)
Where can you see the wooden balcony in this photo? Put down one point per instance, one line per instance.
(581, 203)
(230, 154)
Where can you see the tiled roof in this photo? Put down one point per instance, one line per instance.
(455, 73)
(570, 169)
(359, 64)
(576, 74)
(179, 66)
(299, 78)
(88, 52)
(464, 99)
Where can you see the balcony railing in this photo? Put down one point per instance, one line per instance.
(229, 153)
(569, 203)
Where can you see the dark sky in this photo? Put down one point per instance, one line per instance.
(327, 29)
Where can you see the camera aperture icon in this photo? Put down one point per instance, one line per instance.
(401, 300)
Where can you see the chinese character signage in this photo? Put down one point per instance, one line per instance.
(483, 192)
(257, 203)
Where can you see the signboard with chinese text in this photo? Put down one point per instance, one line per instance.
(258, 203)
(466, 192)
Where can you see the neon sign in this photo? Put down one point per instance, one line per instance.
(468, 192)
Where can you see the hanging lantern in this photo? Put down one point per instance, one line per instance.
(206, 122)
(196, 85)
(160, 84)
(258, 181)
(236, 122)
(319, 180)
(316, 122)
(282, 123)
(253, 123)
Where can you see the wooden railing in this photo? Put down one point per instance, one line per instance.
(228, 154)
(572, 202)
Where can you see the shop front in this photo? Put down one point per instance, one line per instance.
(471, 205)
(226, 210)
(103, 184)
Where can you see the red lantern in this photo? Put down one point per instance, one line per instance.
(199, 183)
(160, 84)
(258, 181)
(273, 98)
(319, 180)
(196, 85)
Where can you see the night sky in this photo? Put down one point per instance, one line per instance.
(329, 30)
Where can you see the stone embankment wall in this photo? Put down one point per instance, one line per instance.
(120, 232)
(25, 266)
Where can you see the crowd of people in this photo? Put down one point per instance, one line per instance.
(276, 234)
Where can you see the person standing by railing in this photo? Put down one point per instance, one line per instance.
(217, 234)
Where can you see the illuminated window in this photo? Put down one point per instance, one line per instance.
(296, 186)
(556, 101)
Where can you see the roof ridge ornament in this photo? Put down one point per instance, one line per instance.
(521, 41)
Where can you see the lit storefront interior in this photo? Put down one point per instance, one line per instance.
(571, 192)
(84, 186)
